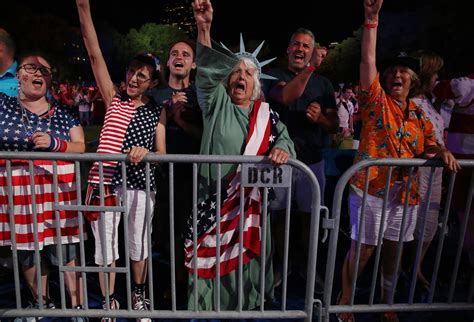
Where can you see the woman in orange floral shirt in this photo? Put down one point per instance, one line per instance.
(393, 127)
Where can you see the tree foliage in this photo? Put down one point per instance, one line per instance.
(151, 37)
(342, 62)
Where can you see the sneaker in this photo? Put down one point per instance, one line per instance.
(114, 305)
(141, 303)
(78, 318)
(35, 305)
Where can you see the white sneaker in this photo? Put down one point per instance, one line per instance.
(114, 305)
(141, 303)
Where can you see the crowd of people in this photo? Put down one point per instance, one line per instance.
(216, 102)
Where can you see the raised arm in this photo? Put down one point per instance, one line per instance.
(203, 14)
(287, 93)
(368, 69)
(99, 68)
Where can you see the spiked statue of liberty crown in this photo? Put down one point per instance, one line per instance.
(253, 56)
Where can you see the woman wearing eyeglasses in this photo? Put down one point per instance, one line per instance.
(134, 124)
(29, 122)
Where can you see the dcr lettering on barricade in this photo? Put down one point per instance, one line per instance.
(266, 175)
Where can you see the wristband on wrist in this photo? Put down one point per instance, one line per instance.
(63, 146)
(371, 24)
(52, 143)
(58, 145)
(311, 68)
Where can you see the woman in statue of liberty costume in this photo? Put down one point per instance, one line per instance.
(235, 122)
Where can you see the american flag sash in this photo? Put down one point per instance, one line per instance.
(262, 133)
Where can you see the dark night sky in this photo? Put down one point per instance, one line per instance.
(273, 21)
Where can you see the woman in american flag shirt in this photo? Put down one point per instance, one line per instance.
(133, 124)
(30, 122)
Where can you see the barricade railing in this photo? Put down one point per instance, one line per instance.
(436, 299)
(255, 171)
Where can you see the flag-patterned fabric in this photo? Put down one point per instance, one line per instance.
(45, 212)
(17, 124)
(126, 126)
(262, 133)
(118, 117)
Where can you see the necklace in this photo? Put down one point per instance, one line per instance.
(29, 126)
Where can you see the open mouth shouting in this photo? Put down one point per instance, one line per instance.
(239, 88)
(396, 87)
(132, 88)
(178, 64)
(37, 83)
(298, 58)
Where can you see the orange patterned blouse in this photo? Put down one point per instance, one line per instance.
(390, 132)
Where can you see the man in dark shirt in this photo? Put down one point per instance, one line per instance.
(183, 136)
(306, 103)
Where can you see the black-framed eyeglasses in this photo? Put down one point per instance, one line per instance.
(32, 68)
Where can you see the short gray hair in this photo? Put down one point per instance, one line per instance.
(303, 31)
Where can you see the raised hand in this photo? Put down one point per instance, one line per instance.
(202, 11)
(82, 2)
(203, 14)
(318, 55)
(372, 8)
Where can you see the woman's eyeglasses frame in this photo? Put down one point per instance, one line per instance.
(33, 68)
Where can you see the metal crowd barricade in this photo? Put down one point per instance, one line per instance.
(437, 300)
(255, 172)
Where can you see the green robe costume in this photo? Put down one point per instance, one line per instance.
(225, 132)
